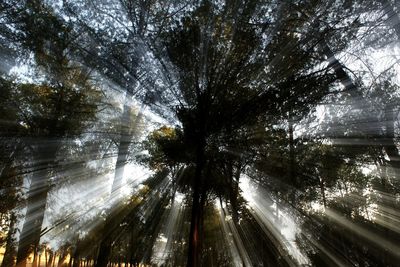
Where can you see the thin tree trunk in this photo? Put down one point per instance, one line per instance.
(51, 257)
(70, 260)
(126, 135)
(62, 258)
(45, 258)
(322, 188)
(193, 255)
(197, 209)
(8, 258)
(292, 162)
(53, 262)
(104, 253)
(36, 203)
(123, 149)
(235, 194)
(76, 257)
(35, 258)
(36, 206)
(123, 152)
(390, 146)
(39, 259)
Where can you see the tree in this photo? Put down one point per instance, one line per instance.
(48, 111)
(11, 178)
(237, 80)
(220, 67)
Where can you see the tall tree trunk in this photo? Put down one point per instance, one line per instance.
(50, 260)
(154, 226)
(390, 118)
(388, 202)
(53, 262)
(45, 258)
(234, 193)
(126, 134)
(36, 202)
(104, 253)
(292, 162)
(197, 209)
(193, 253)
(390, 146)
(322, 188)
(62, 258)
(77, 256)
(36, 206)
(123, 149)
(8, 258)
(70, 260)
(39, 260)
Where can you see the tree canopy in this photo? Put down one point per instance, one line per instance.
(199, 133)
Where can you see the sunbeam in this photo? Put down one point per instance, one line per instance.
(199, 133)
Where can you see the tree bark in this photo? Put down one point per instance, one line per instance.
(234, 193)
(50, 258)
(123, 149)
(77, 254)
(70, 260)
(197, 209)
(322, 188)
(36, 206)
(45, 258)
(53, 262)
(292, 162)
(104, 253)
(126, 134)
(8, 258)
(390, 146)
(36, 202)
(62, 258)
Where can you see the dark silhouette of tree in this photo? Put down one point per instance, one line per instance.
(48, 111)
(225, 90)
(242, 85)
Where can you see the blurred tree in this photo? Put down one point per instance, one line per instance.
(237, 79)
(226, 89)
(58, 107)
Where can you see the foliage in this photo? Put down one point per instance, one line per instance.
(282, 95)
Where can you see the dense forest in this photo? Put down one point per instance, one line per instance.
(199, 133)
